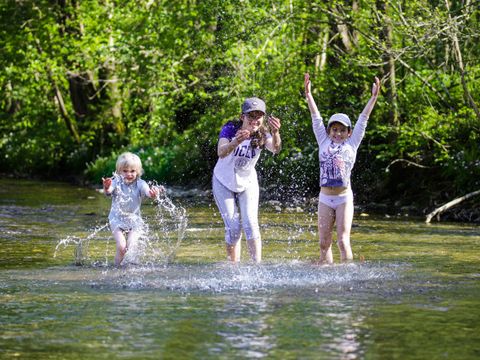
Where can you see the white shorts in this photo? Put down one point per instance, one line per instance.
(333, 201)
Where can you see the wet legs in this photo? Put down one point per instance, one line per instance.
(326, 219)
(124, 244)
(343, 216)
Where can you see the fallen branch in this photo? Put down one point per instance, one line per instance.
(411, 163)
(448, 205)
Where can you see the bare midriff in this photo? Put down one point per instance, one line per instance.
(333, 190)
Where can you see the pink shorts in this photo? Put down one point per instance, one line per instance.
(333, 201)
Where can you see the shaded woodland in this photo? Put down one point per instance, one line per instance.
(82, 81)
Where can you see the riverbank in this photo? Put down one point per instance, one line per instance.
(465, 212)
(282, 200)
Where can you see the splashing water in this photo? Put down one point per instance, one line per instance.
(164, 230)
(81, 245)
(241, 278)
(159, 234)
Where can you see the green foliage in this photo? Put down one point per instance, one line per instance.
(161, 77)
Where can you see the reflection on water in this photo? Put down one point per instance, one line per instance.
(250, 311)
(415, 297)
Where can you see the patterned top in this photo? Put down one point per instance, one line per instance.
(337, 159)
(236, 171)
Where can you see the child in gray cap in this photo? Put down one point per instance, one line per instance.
(337, 150)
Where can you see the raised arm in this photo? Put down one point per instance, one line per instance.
(308, 94)
(371, 103)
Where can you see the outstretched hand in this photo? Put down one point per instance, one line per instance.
(156, 190)
(307, 84)
(274, 124)
(376, 87)
(107, 182)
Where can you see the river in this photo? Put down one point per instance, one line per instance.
(412, 293)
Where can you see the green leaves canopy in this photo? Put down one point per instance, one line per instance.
(83, 81)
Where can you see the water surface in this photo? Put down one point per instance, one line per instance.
(415, 295)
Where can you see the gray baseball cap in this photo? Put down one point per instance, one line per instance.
(340, 118)
(253, 104)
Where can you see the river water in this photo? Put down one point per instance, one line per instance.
(413, 293)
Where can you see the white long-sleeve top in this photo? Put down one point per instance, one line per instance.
(337, 159)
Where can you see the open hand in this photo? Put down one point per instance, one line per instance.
(274, 124)
(107, 182)
(156, 190)
(376, 87)
(307, 84)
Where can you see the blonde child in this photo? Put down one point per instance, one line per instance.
(338, 145)
(127, 190)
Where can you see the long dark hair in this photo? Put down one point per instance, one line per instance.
(259, 137)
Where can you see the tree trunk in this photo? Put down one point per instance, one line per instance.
(458, 55)
(63, 111)
(70, 124)
(115, 95)
(343, 30)
(448, 205)
(388, 58)
(321, 59)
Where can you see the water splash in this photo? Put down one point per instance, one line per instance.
(165, 230)
(81, 245)
(161, 232)
(229, 278)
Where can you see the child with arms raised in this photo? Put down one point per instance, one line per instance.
(338, 145)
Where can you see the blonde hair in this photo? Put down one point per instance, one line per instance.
(128, 159)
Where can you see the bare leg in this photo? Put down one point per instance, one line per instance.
(326, 219)
(132, 242)
(121, 243)
(344, 227)
(255, 249)
(234, 251)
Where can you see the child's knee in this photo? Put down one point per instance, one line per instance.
(325, 244)
(343, 243)
(122, 250)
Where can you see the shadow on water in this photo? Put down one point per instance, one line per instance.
(416, 296)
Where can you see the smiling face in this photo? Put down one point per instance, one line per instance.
(338, 133)
(129, 167)
(252, 120)
(129, 174)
